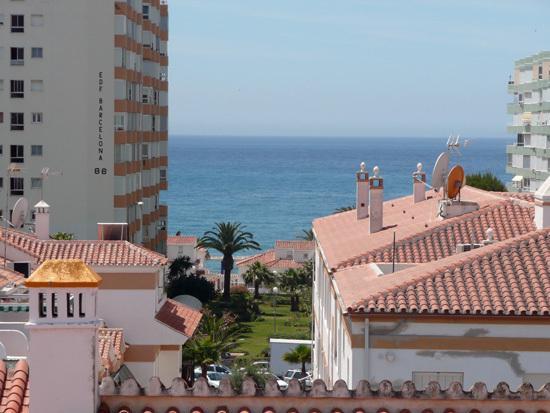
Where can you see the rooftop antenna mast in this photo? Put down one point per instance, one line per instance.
(47, 172)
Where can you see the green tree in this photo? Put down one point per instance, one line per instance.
(300, 354)
(228, 238)
(215, 336)
(297, 282)
(63, 236)
(258, 274)
(307, 235)
(182, 279)
(181, 266)
(486, 181)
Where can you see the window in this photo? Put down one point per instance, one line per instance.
(17, 154)
(81, 312)
(54, 305)
(119, 121)
(37, 117)
(509, 159)
(145, 9)
(17, 56)
(1, 117)
(526, 161)
(144, 151)
(1, 84)
(163, 175)
(17, 23)
(37, 52)
(37, 20)
(16, 186)
(36, 150)
(36, 183)
(70, 305)
(37, 85)
(17, 121)
(1, 185)
(41, 305)
(1, 150)
(540, 72)
(17, 88)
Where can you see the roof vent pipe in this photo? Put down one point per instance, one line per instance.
(362, 192)
(419, 184)
(376, 215)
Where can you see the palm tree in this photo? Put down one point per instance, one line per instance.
(296, 282)
(180, 267)
(228, 238)
(258, 274)
(215, 336)
(66, 236)
(300, 354)
(306, 235)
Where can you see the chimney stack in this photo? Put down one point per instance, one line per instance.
(542, 205)
(376, 201)
(362, 192)
(42, 220)
(419, 184)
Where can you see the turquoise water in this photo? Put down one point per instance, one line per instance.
(277, 186)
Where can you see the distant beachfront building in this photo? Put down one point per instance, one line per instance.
(180, 245)
(529, 157)
(83, 89)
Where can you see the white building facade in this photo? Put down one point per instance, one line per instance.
(83, 90)
(528, 159)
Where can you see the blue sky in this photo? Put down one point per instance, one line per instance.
(348, 67)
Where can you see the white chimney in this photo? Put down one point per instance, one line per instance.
(362, 192)
(376, 201)
(42, 220)
(542, 205)
(419, 184)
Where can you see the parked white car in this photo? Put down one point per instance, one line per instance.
(304, 379)
(283, 385)
(212, 378)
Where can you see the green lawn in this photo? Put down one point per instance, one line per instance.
(288, 325)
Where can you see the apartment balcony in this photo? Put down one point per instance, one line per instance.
(516, 107)
(529, 86)
(529, 128)
(527, 173)
(528, 150)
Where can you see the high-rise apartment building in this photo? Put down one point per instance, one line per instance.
(529, 157)
(84, 90)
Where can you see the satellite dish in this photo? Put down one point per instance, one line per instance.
(20, 212)
(455, 181)
(440, 169)
(189, 301)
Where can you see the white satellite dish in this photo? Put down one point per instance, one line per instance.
(440, 170)
(189, 301)
(20, 212)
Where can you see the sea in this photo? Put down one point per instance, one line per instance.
(276, 186)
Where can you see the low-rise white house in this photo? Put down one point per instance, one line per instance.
(186, 246)
(463, 298)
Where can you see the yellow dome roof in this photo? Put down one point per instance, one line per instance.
(63, 274)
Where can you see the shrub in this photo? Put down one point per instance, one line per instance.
(486, 181)
(194, 285)
(242, 305)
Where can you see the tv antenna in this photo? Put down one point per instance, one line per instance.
(45, 174)
(454, 144)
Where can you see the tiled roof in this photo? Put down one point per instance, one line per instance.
(182, 239)
(508, 219)
(94, 252)
(179, 317)
(14, 388)
(295, 244)
(524, 196)
(507, 278)
(111, 348)
(383, 398)
(269, 259)
(8, 276)
(342, 237)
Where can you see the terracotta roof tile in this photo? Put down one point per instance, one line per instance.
(14, 389)
(182, 239)
(507, 219)
(342, 237)
(9, 277)
(179, 317)
(295, 244)
(506, 278)
(111, 348)
(269, 259)
(92, 252)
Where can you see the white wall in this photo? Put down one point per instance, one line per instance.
(169, 363)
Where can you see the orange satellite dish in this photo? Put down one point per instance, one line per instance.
(455, 181)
